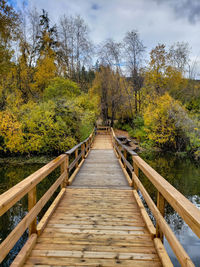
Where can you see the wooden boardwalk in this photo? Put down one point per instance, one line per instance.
(97, 218)
(98, 221)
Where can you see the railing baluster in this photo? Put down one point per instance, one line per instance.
(83, 150)
(76, 156)
(32, 199)
(125, 155)
(161, 207)
(136, 172)
(64, 167)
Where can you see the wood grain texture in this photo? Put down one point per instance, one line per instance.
(102, 142)
(101, 169)
(95, 227)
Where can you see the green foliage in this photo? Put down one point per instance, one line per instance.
(61, 88)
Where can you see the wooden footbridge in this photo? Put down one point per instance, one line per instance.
(97, 218)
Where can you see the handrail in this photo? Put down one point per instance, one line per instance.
(166, 192)
(28, 186)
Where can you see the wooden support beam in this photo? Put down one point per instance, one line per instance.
(64, 167)
(32, 199)
(24, 252)
(145, 216)
(83, 151)
(135, 172)
(43, 222)
(161, 207)
(76, 156)
(125, 156)
(162, 253)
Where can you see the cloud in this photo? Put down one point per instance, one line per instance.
(95, 6)
(184, 8)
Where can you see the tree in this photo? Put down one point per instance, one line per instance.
(9, 21)
(47, 45)
(134, 50)
(179, 56)
(167, 123)
(76, 47)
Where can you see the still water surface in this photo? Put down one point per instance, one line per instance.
(182, 173)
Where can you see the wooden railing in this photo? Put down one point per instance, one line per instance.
(103, 129)
(69, 167)
(165, 193)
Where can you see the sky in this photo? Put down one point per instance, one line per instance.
(157, 21)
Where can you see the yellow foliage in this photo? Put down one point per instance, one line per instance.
(11, 132)
(159, 121)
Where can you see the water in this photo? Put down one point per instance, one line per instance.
(9, 176)
(184, 175)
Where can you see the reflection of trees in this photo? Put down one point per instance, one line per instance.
(10, 176)
(182, 173)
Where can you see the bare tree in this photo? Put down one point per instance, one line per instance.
(179, 56)
(76, 47)
(134, 50)
(33, 29)
(109, 54)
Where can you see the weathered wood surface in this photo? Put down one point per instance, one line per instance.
(101, 169)
(95, 227)
(102, 142)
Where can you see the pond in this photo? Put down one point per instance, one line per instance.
(182, 173)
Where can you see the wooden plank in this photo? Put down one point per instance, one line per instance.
(25, 251)
(145, 216)
(95, 247)
(99, 241)
(61, 261)
(43, 222)
(96, 232)
(94, 226)
(10, 197)
(166, 262)
(13, 237)
(94, 254)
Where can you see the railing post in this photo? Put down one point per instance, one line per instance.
(32, 199)
(136, 172)
(76, 156)
(83, 150)
(64, 167)
(125, 155)
(161, 207)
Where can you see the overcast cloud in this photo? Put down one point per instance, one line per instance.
(158, 21)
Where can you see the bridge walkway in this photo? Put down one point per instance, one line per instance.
(98, 221)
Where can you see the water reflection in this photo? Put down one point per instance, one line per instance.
(184, 175)
(9, 176)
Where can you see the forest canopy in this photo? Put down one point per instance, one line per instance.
(55, 84)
